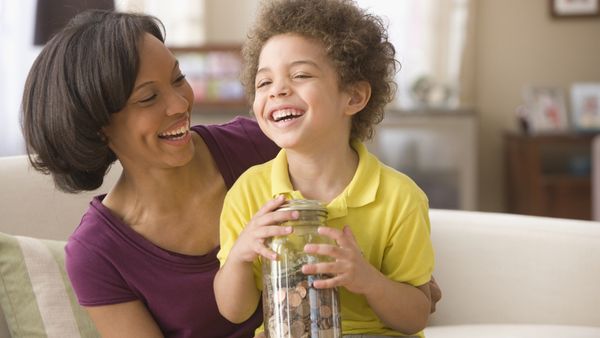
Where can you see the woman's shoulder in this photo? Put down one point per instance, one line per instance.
(94, 228)
(237, 145)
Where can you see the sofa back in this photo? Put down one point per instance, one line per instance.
(503, 268)
(30, 204)
(492, 268)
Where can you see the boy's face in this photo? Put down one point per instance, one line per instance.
(298, 101)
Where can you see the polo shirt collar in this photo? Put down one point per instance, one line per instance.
(361, 191)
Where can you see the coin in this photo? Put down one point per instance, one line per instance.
(297, 329)
(325, 311)
(301, 290)
(281, 293)
(295, 299)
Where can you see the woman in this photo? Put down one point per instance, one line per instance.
(143, 259)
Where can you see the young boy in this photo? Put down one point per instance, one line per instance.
(319, 73)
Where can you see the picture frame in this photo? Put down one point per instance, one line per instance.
(561, 9)
(546, 110)
(585, 106)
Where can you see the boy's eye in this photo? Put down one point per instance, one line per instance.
(302, 76)
(262, 83)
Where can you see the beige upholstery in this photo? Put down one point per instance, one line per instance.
(514, 269)
(31, 206)
(493, 268)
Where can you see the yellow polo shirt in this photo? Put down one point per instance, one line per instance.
(385, 209)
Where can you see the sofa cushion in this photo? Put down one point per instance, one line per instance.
(512, 331)
(35, 293)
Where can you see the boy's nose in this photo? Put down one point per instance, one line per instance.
(281, 89)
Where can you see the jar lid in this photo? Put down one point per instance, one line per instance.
(304, 205)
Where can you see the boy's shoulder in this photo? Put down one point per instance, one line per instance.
(396, 181)
(258, 174)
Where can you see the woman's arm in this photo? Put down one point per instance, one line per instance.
(130, 319)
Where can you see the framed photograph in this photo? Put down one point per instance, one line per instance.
(574, 8)
(585, 106)
(546, 109)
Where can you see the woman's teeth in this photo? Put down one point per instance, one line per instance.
(174, 134)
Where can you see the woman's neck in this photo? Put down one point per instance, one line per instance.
(178, 199)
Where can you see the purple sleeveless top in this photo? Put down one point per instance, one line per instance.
(109, 263)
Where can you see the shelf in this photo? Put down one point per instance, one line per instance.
(565, 180)
(213, 73)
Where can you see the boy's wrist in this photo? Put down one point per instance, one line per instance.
(372, 283)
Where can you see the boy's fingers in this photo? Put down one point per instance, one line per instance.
(323, 268)
(344, 238)
(328, 283)
(273, 230)
(271, 205)
(324, 249)
(266, 252)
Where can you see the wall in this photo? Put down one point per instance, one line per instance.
(228, 20)
(518, 43)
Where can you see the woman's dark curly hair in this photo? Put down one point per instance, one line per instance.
(354, 40)
(85, 73)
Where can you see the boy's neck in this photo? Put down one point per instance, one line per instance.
(324, 174)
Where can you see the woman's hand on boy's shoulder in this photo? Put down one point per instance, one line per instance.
(436, 293)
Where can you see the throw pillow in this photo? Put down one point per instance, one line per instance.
(35, 292)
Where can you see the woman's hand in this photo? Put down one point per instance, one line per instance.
(265, 223)
(349, 268)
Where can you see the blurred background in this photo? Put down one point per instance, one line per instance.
(498, 101)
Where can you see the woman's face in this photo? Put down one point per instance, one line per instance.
(153, 129)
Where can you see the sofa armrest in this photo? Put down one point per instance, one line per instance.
(513, 269)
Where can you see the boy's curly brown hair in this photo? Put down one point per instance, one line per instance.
(354, 40)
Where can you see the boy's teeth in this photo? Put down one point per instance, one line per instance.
(285, 113)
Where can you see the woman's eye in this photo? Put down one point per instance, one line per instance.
(148, 99)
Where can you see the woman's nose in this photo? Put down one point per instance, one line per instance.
(177, 102)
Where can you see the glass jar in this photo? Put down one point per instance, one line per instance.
(292, 307)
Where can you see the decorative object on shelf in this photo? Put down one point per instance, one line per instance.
(426, 92)
(213, 72)
(585, 106)
(574, 8)
(545, 110)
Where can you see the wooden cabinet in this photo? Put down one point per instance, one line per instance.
(549, 175)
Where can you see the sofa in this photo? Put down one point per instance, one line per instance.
(502, 275)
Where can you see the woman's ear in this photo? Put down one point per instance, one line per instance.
(360, 93)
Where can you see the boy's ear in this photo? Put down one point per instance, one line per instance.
(360, 93)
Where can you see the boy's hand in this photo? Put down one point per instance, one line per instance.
(349, 268)
(264, 224)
